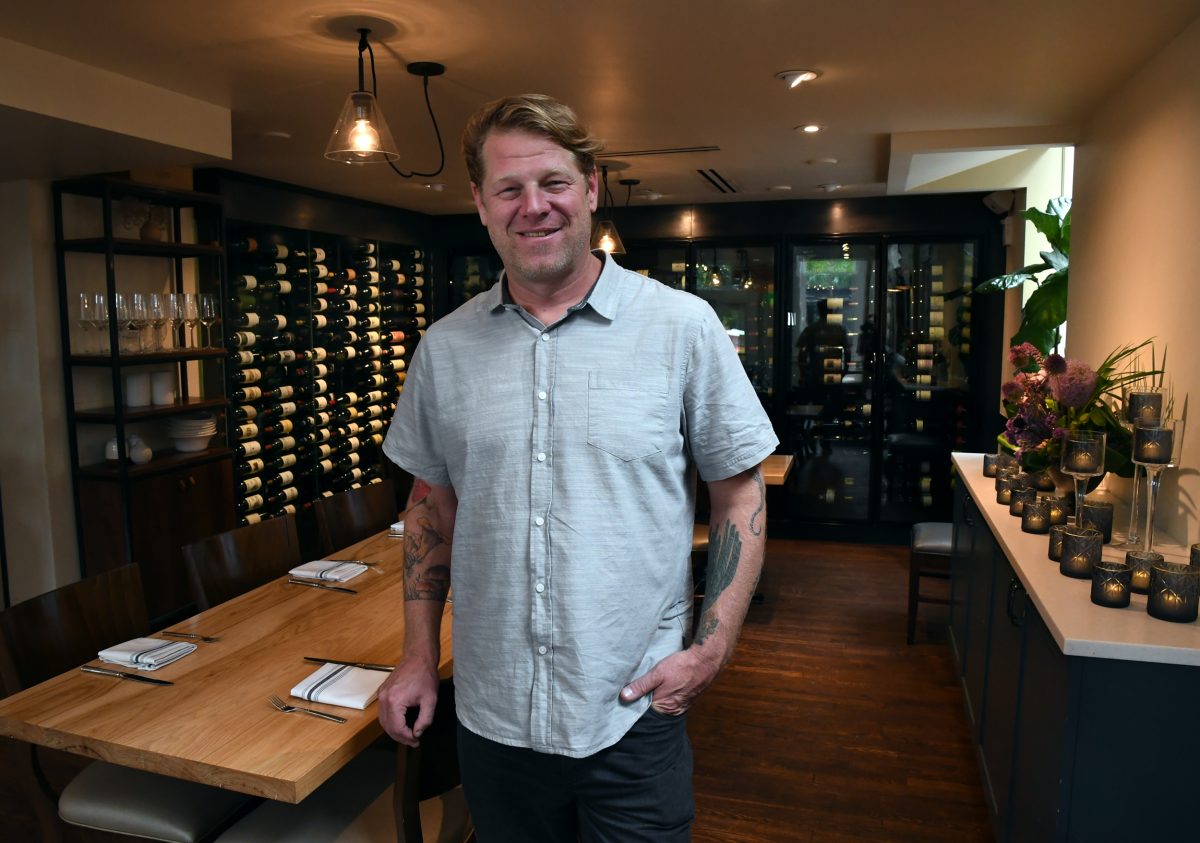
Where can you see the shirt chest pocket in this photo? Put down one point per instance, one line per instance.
(626, 414)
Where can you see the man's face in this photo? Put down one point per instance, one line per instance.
(537, 206)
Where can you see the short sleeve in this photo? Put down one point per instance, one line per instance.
(413, 441)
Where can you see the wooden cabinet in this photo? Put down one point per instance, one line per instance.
(1071, 748)
(176, 502)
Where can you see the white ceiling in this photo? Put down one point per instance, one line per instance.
(646, 74)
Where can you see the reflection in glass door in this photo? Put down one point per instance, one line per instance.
(739, 283)
(833, 335)
(927, 343)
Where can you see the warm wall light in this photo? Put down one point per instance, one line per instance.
(794, 78)
(809, 128)
(361, 135)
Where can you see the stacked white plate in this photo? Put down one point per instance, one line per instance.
(192, 432)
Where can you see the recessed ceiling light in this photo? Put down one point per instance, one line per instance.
(436, 187)
(812, 161)
(278, 135)
(794, 78)
(830, 187)
(780, 187)
(809, 128)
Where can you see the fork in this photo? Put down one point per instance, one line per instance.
(287, 709)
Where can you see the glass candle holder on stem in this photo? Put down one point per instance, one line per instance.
(1083, 458)
(1156, 446)
(1140, 403)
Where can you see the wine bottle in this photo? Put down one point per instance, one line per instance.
(247, 431)
(277, 446)
(283, 496)
(278, 481)
(246, 393)
(248, 448)
(250, 466)
(244, 246)
(270, 270)
(243, 376)
(250, 504)
(245, 412)
(282, 462)
(241, 339)
(249, 485)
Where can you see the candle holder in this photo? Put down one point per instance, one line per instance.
(1058, 509)
(1006, 472)
(1056, 542)
(1156, 446)
(1099, 516)
(1145, 405)
(1035, 517)
(991, 462)
(1019, 498)
(1110, 584)
(1083, 458)
(1005, 487)
(1080, 552)
(1140, 562)
(1174, 592)
(1042, 481)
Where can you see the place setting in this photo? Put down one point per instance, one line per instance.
(140, 654)
(324, 573)
(346, 684)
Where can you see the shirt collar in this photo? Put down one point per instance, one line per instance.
(603, 298)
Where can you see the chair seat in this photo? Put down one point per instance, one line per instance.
(122, 800)
(933, 537)
(354, 806)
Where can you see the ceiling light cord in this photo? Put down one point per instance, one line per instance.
(436, 131)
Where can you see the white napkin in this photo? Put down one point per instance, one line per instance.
(329, 570)
(398, 529)
(146, 653)
(337, 684)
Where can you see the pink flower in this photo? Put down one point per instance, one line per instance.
(1011, 390)
(1021, 356)
(1055, 364)
(1074, 387)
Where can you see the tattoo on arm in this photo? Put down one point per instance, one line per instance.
(423, 578)
(724, 553)
(756, 529)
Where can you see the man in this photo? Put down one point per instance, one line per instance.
(554, 426)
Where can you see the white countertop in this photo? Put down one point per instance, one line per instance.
(1080, 627)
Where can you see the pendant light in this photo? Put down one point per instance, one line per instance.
(361, 134)
(604, 235)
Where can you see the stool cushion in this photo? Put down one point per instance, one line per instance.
(122, 800)
(933, 537)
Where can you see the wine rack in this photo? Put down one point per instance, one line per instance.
(320, 330)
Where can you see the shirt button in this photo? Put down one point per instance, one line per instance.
(540, 587)
(542, 650)
(542, 395)
(541, 457)
(545, 337)
(539, 521)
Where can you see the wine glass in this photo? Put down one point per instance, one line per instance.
(100, 320)
(1156, 446)
(173, 305)
(158, 318)
(139, 318)
(209, 315)
(191, 317)
(121, 305)
(1082, 458)
(87, 320)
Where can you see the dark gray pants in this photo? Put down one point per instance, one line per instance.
(638, 789)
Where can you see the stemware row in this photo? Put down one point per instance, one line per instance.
(141, 318)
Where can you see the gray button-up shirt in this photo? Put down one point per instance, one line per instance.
(571, 450)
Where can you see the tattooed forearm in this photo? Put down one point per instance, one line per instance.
(724, 552)
(756, 529)
(426, 574)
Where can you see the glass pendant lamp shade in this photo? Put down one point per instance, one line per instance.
(606, 238)
(361, 135)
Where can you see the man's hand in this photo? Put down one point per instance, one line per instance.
(412, 687)
(675, 681)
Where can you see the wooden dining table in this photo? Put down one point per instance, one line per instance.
(214, 725)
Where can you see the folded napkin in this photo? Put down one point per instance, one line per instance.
(146, 653)
(329, 569)
(397, 529)
(337, 684)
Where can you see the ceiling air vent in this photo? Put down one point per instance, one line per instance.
(717, 180)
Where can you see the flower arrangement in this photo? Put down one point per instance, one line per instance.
(1050, 395)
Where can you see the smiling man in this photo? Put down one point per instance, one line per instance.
(555, 426)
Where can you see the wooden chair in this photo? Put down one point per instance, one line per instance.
(386, 793)
(349, 517)
(228, 564)
(48, 635)
(929, 556)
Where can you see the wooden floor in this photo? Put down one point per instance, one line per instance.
(825, 727)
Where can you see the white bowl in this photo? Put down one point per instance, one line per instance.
(191, 443)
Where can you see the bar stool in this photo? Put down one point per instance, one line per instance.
(929, 556)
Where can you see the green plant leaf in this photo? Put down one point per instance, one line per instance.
(1040, 338)
(1054, 223)
(1007, 282)
(1046, 307)
(1056, 259)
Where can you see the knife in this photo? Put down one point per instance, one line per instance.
(208, 639)
(364, 665)
(120, 674)
(294, 581)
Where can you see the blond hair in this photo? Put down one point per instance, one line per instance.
(536, 113)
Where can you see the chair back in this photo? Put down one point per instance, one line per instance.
(223, 566)
(349, 517)
(428, 770)
(64, 628)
